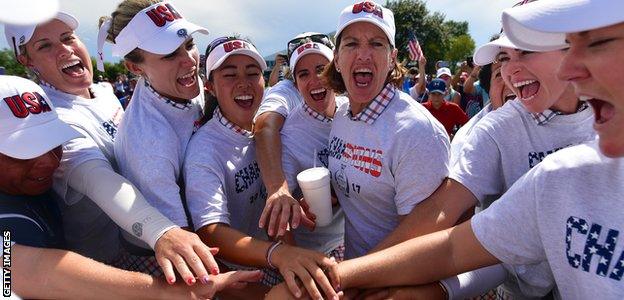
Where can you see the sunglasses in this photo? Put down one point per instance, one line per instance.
(317, 38)
(218, 41)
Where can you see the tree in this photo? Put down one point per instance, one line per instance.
(10, 64)
(434, 33)
(111, 70)
(460, 47)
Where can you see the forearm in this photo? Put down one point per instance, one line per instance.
(269, 151)
(274, 76)
(429, 258)
(235, 246)
(469, 85)
(60, 274)
(440, 211)
(120, 200)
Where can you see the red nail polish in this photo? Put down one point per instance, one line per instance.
(172, 281)
(191, 280)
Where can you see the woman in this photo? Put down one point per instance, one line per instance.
(307, 128)
(151, 140)
(567, 204)
(373, 173)
(224, 189)
(86, 179)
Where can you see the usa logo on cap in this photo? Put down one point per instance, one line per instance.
(368, 7)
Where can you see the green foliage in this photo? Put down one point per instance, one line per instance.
(12, 67)
(111, 70)
(439, 39)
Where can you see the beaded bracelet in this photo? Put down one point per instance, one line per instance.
(270, 252)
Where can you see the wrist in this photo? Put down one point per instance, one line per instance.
(442, 290)
(270, 254)
(281, 187)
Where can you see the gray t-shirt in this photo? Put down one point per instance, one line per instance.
(281, 98)
(380, 171)
(88, 230)
(566, 213)
(151, 144)
(223, 181)
(302, 134)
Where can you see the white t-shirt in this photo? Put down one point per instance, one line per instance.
(503, 146)
(566, 213)
(88, 230)
(302, 134)
(281, 98)
(461, 136)
(151, 144)
(380, 171)
(223, 182)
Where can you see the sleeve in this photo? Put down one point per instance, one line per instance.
(274, 101)
(478, 165)
(509, 229)
(413, 91)
(120, 200)
(24, 230)
(205, 193)
(75, 153)
(422, 165)
(474, 283)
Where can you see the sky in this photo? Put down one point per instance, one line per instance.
(270, 24)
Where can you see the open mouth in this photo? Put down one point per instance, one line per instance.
(73, 69)
(603, 111)
(318, 94)
(528, 89)
(188, 79)
(244, 101)
(363, 77)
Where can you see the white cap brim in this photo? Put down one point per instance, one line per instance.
(542, 25)
(487, 53)
(23, 33)
(219, 55)
(36, 140)
(318, 48)
(368, 19)
(169, 40)
(28, 12)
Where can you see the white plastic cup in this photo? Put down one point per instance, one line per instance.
(314, 184)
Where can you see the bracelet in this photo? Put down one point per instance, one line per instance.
(444, 290)
(270, 252)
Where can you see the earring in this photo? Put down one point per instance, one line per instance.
(337, 69)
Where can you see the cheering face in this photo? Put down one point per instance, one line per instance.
(315, 94)
(594, 64)
(530, 76)
(238, 86)
(364, 59)
(173, 75)
(59, 57)
(499, 91)
(28, 176)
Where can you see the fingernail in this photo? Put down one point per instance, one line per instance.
(172, 281)
(298, 294)
(204, 279)
(190, 280)
(214, 271)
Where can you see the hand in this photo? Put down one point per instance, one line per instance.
(307, 266)
(235, 280)
(180, 248)
(464, 67)
(429, 291)
(475, 71)
(281, 207)
(279, 61)
(422, 62)
(306, 209)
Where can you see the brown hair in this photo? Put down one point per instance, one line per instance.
(120, 18)
(332, 78)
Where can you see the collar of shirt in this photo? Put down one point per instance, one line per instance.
(315, 114)
(228, 124)
(374, 109)
(546, 116)
(186, 105)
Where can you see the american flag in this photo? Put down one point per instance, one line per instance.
(413, 47)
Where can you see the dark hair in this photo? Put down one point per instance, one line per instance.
(485, 75)
(332, 78)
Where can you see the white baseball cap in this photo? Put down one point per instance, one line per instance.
(486, 54)
(158, 29)
(30, 126)
(368, 11)
(222, 48)
(444, 71)
(27, 12)
(542, 25)
(18, 35)
(309, 48)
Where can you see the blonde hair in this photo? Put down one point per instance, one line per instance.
(333, 79)
(120, 18)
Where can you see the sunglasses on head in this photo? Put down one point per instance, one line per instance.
(218, 41)
(317, 38)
